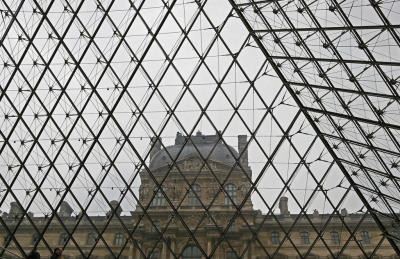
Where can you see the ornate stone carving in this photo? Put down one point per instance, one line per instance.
(196, 164)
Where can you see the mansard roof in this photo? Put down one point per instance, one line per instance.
(208, 145)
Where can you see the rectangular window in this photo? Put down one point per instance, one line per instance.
(275, 238)
(230, 195)
(194, 195)
(231, 255)
(7, 239)
(335, 238)
(159, 199)
(154, 255)
(118, 239)
(232, 227)
(35, 239)
(396, 235)
(91, 239)
(365, 237)
(63, 239)
(305, 239)
(155, 226)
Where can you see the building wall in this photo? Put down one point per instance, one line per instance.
(239, 239)
(206, 228)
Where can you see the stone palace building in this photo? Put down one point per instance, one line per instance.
(222, 232)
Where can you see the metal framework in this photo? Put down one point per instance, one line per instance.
(330, 57)
(87, 88)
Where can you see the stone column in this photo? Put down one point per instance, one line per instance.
(171, 255)
(136, 251)
(209, 247)
(254, 250)
(164, 251)
(244, 246)
(131, 255)
(250, 250)
(221, 252)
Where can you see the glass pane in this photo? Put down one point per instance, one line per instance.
(170, 129)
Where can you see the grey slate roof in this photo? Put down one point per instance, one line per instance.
(204, 143)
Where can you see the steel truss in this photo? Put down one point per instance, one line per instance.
(85, 83)
(369, 155)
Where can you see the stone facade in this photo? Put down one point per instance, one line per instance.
(221, 232)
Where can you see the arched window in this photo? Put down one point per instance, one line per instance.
(192, 199)
(159, 199)
(230, 194)
(191, 252)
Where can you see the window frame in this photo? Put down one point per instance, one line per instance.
(194, 252)
(335, 238)
(305, 237)
(232, 227)
(230, 255)
(90, 239)
(230, 191)
(63, 239)
(118, 239)
(192, 199)
(156, 224)
(7, 238)
(275, 238)
(365, 238)
(35, 238)
(159, 199)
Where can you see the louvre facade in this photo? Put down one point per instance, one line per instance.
(220, 232)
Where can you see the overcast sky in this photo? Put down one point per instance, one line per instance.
(189, 84)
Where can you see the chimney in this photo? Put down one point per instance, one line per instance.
(343, 212)
(244, 159)
(116, 209)
(15, 210)
(283, 206)
(65, 210)
(156, 144)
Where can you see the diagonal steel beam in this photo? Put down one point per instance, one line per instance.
(311, 121)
